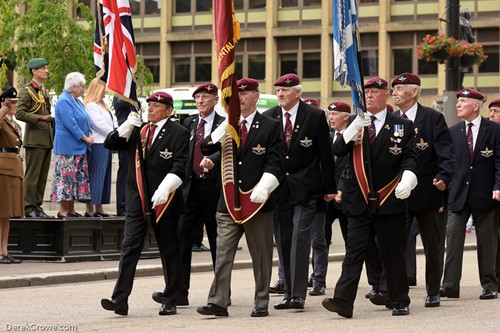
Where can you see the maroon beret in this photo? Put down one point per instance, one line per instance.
(287, 80)
(247, 84)
(207, 88)
(390, 108)
(406, 78)
(470, 93)
(161, 97)
(494, 103)
(339, 106)
(376, 82)
(311, 101)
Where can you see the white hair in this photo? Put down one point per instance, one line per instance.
(73, 79)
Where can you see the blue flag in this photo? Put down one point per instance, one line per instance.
(345, 51)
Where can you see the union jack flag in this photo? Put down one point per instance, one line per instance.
(114, 49)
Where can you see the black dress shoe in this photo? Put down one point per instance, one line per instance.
(488, 294)
(371, 293)
(196, 248)
(167, 310)
(412, 282)
(212, 310)
(432, 301)
(88, 215)
(310, 282)
(97, 214)
(158, 297)
(119, 307)
(297, 303)
(340, 307)
(75, 214)
(61, 216)
(449, 293)
(277, 288)
(13, 260)
(259, 312)
(33, 215)
(284, 304)
(203, 248)
(317, 290)
(400, 310)
(380, 298)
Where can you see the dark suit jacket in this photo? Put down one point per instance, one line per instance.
(168, 154)
(387, 163)
(263, 152)
(474, 180)
(308, 168)
(191, 123)
(435, 158)
(340, 168)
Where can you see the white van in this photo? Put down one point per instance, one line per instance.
(184, 104)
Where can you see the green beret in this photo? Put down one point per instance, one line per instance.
(37, 63)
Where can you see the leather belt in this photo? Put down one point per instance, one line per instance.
(9, 150)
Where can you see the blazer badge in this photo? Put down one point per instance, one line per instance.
(166, 154)
(422, 145)
(192, 135)
(395, 150)
(258, 150)
(486, 152)
(306, 142)
(399, 130)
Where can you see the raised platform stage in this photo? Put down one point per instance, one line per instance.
(72, 239)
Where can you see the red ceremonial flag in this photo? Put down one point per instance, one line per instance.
(114, 49)
(227, 34)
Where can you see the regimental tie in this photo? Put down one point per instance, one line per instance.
(337, 136)
(197, 155)
(243, 133)
(404, 115)
(470, 140)
(288, 130)
(151, 134)
(372, 132)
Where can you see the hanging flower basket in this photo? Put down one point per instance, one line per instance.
(471, 54)
(438, 47)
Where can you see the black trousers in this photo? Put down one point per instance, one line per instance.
(166, 232)
(390, 231)
(201, 207)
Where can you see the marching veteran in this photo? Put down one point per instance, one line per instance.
(33, 108)
(157, 165)
(258, 159)
(11, 171)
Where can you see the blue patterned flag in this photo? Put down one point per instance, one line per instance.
(347, 69)
(114, 49)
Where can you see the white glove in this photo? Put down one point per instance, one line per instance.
(351, 132)
(406, 185)
(125, 129)
(167, 186)
(219, 132)
(267, 183)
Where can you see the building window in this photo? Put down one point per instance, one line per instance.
(250, 58)
(192, 62)
(402, 61)
(154, 67)
(191, 6)
(203, 5)
(182, 6)
(149, 52)
(369, 59)
(249, 4)
(301, 56)
(152, 7)
(135, 7)
(300, 3)
(490, 65)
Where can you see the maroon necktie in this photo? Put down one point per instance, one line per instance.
(151, 134)
(197, 155)
(470, 140)
(243, 133)
(288, 130)
(404, 115)
(372, 132)
(337, 136)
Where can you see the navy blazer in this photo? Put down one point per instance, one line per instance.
(435, 159)
(263, 152)
(168, 154)
(387, 163)
(308, 168)
(191, 123)
(475, 179)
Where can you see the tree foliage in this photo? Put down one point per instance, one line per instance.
(47, 29)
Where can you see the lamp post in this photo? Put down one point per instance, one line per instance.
(452, 64)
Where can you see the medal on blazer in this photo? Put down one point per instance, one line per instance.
(399, 130)
(486, 152)
(259, 150)
(422, 145)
